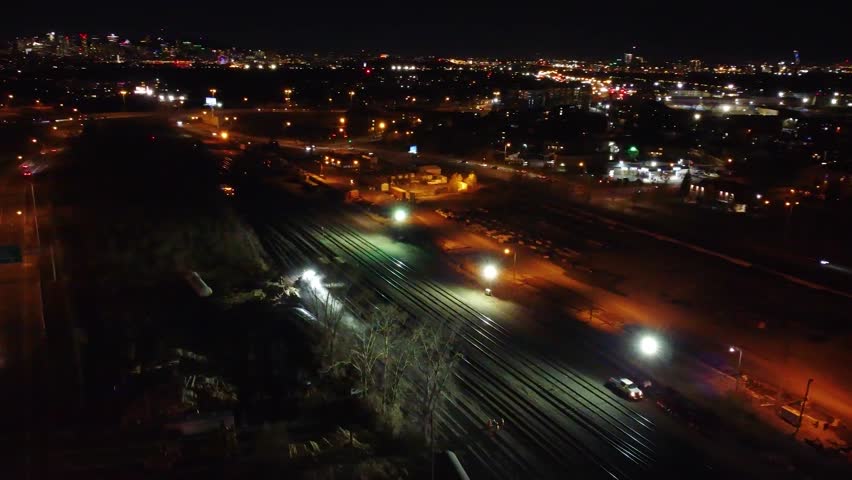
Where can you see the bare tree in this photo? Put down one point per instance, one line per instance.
(330, 314)
(382, 353)
(397, 351)
(437, 359)
(365, 356)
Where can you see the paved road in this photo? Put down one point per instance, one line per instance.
(21, 320)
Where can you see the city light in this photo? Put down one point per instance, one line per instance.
(649, 345)
(224, 135)
(342, 120)
(489, 272)
(400, 215)
(697, 116)
(382, 125)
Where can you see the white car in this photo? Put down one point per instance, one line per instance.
(625, 387)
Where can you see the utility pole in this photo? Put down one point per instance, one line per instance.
(739, 365)
(802, 410)
(35, 216)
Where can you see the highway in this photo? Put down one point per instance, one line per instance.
(21, 316)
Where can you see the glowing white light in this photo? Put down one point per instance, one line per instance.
(649, 345)
(489, 272)
(400, 215)
(309, 275)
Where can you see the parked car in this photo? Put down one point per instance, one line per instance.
(625, 387)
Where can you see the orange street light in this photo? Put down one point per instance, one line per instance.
(507, 251)
(342, 120)
(382, 125)
(224, 135)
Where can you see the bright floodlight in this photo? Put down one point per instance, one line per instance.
(732, 349)
(649, 345)
(489, 272)
(400, 215)
(308, 275)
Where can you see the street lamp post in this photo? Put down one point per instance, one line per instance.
(489, 272)
(733, 349)
(507, 251)
(505, 150)
(802, 410)
(788, 220)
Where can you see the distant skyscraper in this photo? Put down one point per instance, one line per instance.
(796, 59)
(695, 65)
(628, 58)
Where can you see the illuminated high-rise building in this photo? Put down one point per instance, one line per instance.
(695, 65)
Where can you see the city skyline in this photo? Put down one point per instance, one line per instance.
(660, 34)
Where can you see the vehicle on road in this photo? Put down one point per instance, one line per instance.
(625, 387)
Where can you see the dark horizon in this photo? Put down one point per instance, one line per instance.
(660, 33)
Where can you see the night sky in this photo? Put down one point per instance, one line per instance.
(714, 31)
